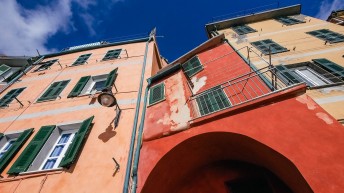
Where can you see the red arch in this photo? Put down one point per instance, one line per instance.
(201, 150)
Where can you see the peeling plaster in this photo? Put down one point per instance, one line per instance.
(180, 112)
(305, 99)
(324, 117)
(198, 83)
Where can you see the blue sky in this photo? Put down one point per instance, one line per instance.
(51, 25)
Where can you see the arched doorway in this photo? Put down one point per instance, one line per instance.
(222, 162)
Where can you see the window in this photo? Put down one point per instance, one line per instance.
(7, 73)
(3, 69)
(213, 100)
(289, 20)
(319, 73)
(81, 60)
(192, 67)
(10, 145)
(9, 97)
(7, 146)
(243, 29)
(94, 84)
(157, 93)
(45, 65)
(58, 150)
(327, 35)
(52, 147)
(112, 54)
(264, 46)
(53, 91)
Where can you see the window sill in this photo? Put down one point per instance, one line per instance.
(40, 171)
(47, 100)
(157, 102)
(272, 53)
(324, 86)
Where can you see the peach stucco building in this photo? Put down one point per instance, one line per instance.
(56, 137)
(306, 48)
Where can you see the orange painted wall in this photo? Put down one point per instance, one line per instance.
(94, 168)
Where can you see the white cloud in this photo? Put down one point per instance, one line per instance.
(89, 22)
(327, 6)
(25, 30)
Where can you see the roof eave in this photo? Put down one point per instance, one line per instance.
(273, 13)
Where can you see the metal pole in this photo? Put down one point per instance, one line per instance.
(270, 68)
(21, 104)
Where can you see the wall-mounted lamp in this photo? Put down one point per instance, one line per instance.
(107, 99)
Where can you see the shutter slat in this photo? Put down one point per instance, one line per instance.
(53, 91)
(10, 153)
(111, 78)
(75, 146)
(8, 98)
(213, 100)
(330, 66)
(156, 93)
(192, 66)
(81, 60)
(287, 74)
(4, 68)
(32, 149)
(79, 86)
(112, 54)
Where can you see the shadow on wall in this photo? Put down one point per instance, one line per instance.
(107, 134)
(182, 165)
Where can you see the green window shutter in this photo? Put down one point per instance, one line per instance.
(45, 65)
(192, 66)
(112, 54)
(1, 135)
(75, 146)
(13, 76)
(7, 157)
(53, 91)
(156, 93)
(4, 68)
(79, 86)
(32, 149)
(213, 100)
(8, 98)
(330, 66)
(243, 29)
(289, 76)
(111, 78)
(81, 60)
(264, 46)
(289, 20)
(327, 35)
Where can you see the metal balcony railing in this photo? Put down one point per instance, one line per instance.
(245, 88)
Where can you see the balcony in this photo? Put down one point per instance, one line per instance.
(250, 86)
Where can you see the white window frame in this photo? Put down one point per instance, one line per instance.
(6, 144)
(304, 76)
(88, 89)
(45, 152)
(8, 73)
(63, 152)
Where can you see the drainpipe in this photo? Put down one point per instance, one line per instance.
(137, 110)
(139, 141)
